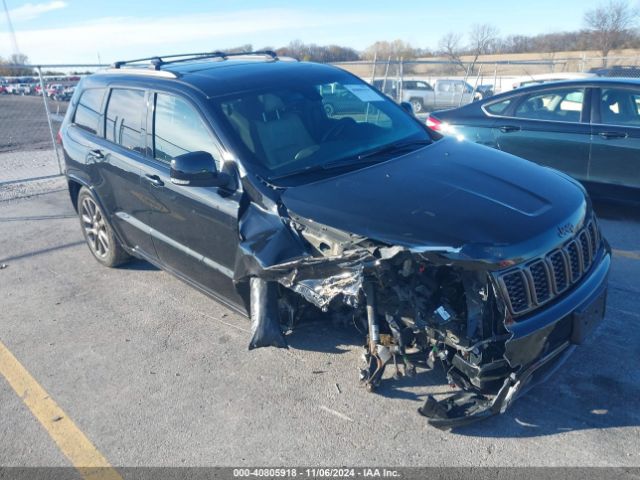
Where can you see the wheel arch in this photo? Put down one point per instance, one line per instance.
(75, 184)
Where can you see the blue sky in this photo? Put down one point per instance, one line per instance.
(77, 31)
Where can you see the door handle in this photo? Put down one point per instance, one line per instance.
(97, 154)
(509, 128)
(610, 135)
(154, 180)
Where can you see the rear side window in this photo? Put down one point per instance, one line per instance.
(564, 105)
(124, 117)
(179, 129)
(87, 115)
(498, 108)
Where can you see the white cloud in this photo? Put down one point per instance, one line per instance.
(127, 36)
(30, 11)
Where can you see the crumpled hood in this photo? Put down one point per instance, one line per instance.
(451, 194)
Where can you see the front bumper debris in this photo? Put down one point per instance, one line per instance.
(420, 307)
(464, 408)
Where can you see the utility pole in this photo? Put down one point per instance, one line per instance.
(16, 50)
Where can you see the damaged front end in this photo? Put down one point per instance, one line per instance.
(422, 307)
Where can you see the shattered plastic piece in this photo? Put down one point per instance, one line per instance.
(321, 292)
(265, 321)
(459, 409)
(444, 315)
(3, 266)
(383, 353)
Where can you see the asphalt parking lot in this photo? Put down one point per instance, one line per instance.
(153, 373)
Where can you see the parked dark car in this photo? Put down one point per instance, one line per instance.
(484, 91)
(587, 128)
(228, 172)
(617, 71)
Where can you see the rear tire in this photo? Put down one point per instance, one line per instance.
(98, 234)
(328, 109)
(417, 105)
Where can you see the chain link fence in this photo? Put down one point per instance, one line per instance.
(482, 77)
(32, 106)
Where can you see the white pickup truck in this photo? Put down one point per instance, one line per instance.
(446, 93)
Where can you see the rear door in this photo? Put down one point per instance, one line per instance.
(194, 229)
(615, 145)
(116, 158)
(549, 127)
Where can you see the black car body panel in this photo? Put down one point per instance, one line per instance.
(418, 197)
(445, 251)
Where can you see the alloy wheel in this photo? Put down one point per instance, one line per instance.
(95, 228)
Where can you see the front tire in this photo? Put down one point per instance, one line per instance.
(98, 234)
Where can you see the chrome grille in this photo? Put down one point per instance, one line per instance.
(558, 262)
(585, 244)
(516, 286)
(595, 238)
(539, 281)
(574, 260)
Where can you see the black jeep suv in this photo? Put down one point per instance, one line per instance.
(227, 171)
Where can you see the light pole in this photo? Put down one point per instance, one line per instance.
(11, 30)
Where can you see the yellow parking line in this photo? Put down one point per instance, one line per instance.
(626, 253)
(82, 454)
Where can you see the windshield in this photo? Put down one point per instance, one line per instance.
(302, 124)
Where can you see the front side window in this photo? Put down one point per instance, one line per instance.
(124, 117)
(562, 105)
(87, 115)
(620, 107)
(179, 129)
(416, 85)
(295, 125)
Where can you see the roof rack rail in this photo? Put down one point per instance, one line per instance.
(157, 62)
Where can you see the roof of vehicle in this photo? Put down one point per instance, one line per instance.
(586, 82)
(215, 76)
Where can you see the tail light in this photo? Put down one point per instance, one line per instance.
(433, 123)
(59, 138)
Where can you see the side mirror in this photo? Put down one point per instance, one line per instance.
(197, 169)
(407, 107)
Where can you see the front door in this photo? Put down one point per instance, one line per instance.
(550, 128)
(194, 229)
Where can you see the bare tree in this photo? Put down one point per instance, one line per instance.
(15, 59)
(394, 49)
(611, 25)
(318, 53)
(449, 46)
(482, 40)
